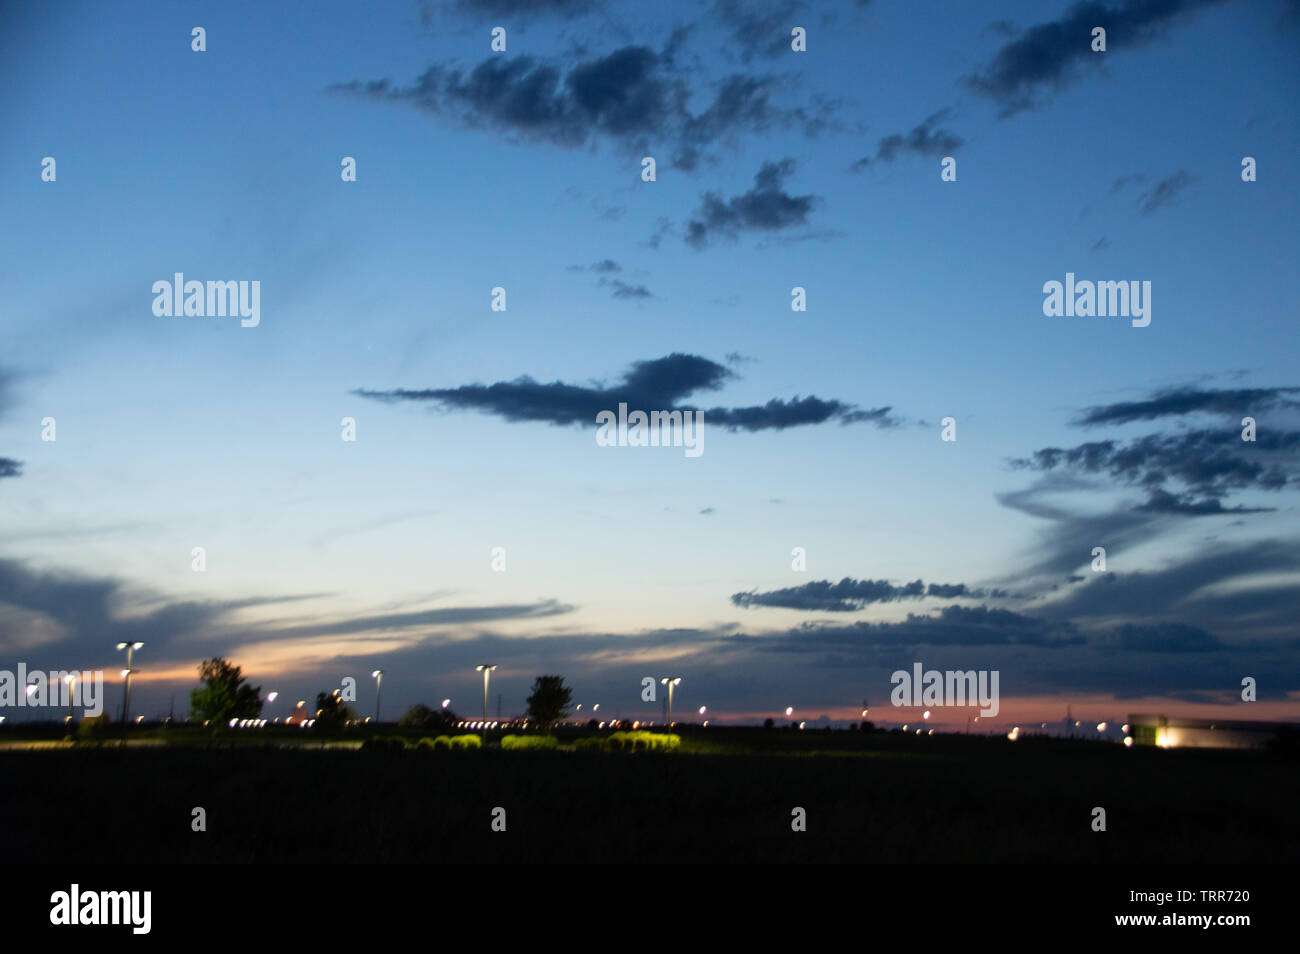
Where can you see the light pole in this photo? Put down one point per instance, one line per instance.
(71, 680)
(126, 674)
(486, 670)
(378, 675)
(670, 682)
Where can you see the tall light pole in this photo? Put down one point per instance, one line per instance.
(670, 682)
(71, 680)
(378, 675)
(486, 670)
(126, 674)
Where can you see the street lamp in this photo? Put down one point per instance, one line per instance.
(378, 676)
(670, 682)
(71, 680)
(486, 670)
(126, 674)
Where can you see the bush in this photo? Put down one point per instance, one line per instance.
(427, 743)
(529, 742)
(592, 742)
(442, 742)
(466, 742)
(93, 728)
(642, 741)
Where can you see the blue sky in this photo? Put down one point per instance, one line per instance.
(328, 558)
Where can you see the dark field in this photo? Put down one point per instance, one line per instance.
(725, 796)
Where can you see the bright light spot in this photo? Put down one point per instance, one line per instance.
(272, 696)
(1128, 741)
(1101, 727)
(1014, 734)
(1124, 728)
(925, 714)
(789, 710)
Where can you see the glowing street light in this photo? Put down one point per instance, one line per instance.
(71, 680)
(487, 672)
(670, 682)
(126, 674)
(272, 696)
(378, 676)
(789, 711)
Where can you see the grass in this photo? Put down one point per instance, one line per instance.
(725, 795)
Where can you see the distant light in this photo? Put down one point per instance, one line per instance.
(925, 714)
(1101, 727)
(1014, 734)
(1128, 741)
(596, 707)
(802, 724)
(931, 732)
(446, 703)
(789, 710)
(703, 709)
(1124, 728)
(233, 723)
(272, 696)
(864, 712)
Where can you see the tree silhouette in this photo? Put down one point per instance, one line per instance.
(225, 694)
(550, 700)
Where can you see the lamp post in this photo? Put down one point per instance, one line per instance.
(670, 682)
(378, 675)
(126, 674)
(486, 670)
(71, 680)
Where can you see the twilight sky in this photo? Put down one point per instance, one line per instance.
(475, 427)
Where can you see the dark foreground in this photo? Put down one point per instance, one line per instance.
(879, 798)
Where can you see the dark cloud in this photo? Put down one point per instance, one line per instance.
(925, 139)
(633, 97)
(766, 207)
(952, 626)
(1189, 471)
(8, 466)
(85, 616)
(1163, 192)
(850, 595)
(1224, 585)
(659, 384)
(1050, 56)
(1177, 402)
(622, 289)
(606, 266)
(760, 28)
(1210, 463)
(1164, 638)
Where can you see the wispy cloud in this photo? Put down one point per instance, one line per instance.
(656, 384)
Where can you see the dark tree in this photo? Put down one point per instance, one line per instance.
(549, 702)
(225, 694)
(332, 713)
(420, 716)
